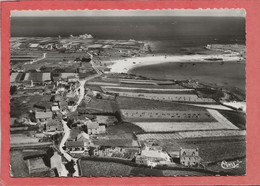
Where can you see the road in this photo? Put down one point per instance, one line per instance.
(82, 84)
(36, 60)
(64, 153)
(73, 109)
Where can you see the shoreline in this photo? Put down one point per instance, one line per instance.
(125, 65)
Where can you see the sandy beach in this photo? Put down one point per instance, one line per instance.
(124, 65)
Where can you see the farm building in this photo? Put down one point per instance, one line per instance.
(152, 157)
(55, 108)
(33, 45)
(37, 77)
(43, 106)
(66, 76)
(76, 146)
(36, 166)
(189, 157)
(16, 77)
(108, 120)
(54, 125)
(93, 128)
(84, 137)
(63, 105)
(43, 116)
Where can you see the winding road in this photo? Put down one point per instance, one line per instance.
(73, 109)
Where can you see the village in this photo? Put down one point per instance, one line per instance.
(68, 108)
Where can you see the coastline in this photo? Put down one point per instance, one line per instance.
(124, 65)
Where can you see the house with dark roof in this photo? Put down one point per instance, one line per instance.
(43, 106)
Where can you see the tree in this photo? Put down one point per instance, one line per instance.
(70, 167)
(13, 89)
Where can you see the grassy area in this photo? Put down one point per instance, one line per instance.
(161, 91)
(97, 169)
(18, 166)
(21, 105)
(237, 118)
(119, 135)
(100, 105)
(211, 149)
(112, 169)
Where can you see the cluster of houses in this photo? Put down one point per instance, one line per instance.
(154, 156)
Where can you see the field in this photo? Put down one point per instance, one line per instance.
(166, 116)
(145, 104)
(148, 90)
(18, 166)
(22, 139)
(92, 168)
(21, 105)
(96, 169)
(237, 118)
(193, 98)
(99, 105)
(118, 135)
(181, 126)
(190, 134)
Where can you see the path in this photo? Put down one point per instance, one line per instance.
(64, 153)
(36, 60)
(74, 108)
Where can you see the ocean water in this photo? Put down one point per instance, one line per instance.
(169, 33)
(227, 74)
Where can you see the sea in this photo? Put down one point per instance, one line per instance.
(170, 34)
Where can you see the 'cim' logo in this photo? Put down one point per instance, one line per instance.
(230, 165)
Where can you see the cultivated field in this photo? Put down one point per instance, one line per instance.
(181, 126)
(18, 166)
(146, 104)
(166, 97)
(98, 168)
(148, 90)
(190, 134)
(99, 105)
(119, 135)
(162, 115)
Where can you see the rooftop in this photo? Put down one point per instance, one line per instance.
(43, 115)
(74, 144)
(92, 125)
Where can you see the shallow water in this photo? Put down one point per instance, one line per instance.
(229, 74)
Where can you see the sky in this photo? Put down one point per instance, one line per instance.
(168, 12)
